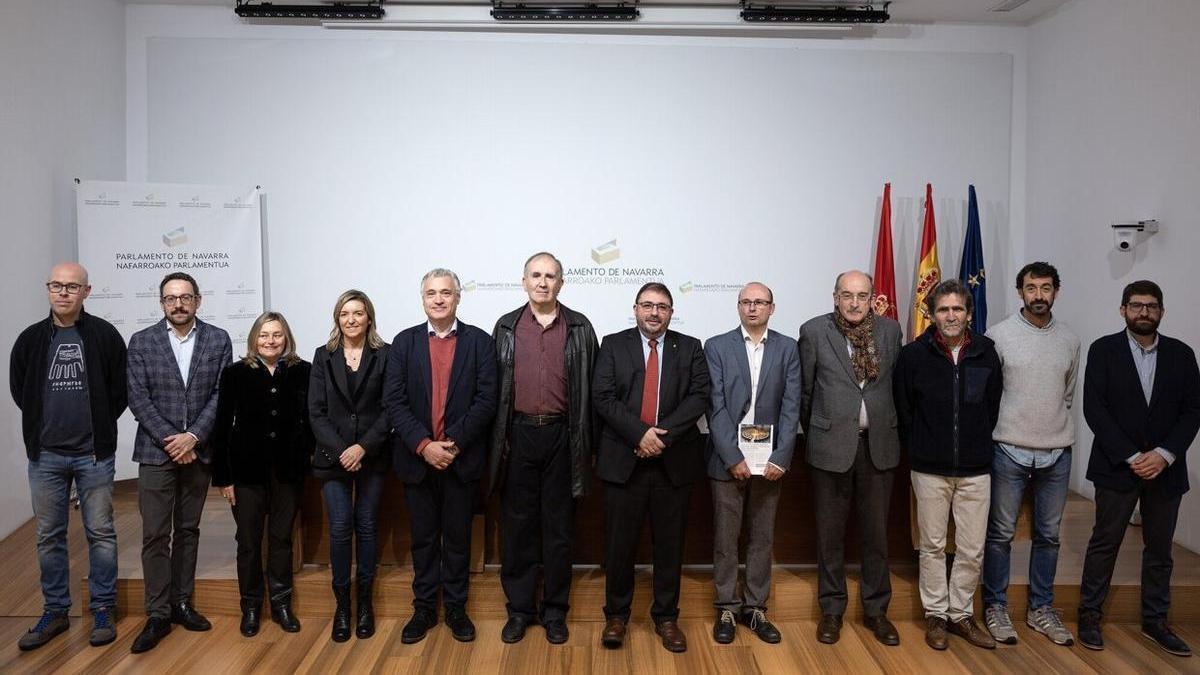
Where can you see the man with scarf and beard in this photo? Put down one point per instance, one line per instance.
(1141, 399)
(849, 421)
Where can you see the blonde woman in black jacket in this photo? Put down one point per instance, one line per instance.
(352, 453)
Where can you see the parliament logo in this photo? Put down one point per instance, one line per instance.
(176, 237)
(606, 252)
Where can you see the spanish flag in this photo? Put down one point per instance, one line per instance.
(928, 271)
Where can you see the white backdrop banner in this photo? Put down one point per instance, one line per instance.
(131, 235)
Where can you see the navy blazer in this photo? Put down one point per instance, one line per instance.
(682, 400)
(159, 401)
(777, 402)
(470, 400)
(1116, 411)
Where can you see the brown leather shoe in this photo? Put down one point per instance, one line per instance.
(614, 633)
(967, 629)
(830, 628)
(672, 636)
(935, 632)
(883, 629)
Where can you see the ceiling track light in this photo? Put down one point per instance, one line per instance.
(549, 13)
(810, 13)
(369, 9)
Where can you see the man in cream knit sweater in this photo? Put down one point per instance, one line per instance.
(1033, 438)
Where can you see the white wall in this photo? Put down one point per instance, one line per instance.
(1114, 134)
(62, 116)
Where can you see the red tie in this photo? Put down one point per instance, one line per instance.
(650, 387)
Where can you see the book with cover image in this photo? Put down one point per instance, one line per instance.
(756, 442)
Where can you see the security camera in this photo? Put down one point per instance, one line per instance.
(1124, 238)
(1125, 235)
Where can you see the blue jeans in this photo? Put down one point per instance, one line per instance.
(1009, 481)
(50, 488)
(353, 507)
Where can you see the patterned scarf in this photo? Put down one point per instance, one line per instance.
(865, 358)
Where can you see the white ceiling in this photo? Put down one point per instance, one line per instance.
(902, 11)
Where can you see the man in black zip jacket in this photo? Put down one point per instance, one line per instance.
(67, 375)
(947, 391)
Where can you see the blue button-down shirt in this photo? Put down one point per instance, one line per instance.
(1145, 359)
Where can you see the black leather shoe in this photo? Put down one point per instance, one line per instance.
(883, 630)
(460, 624)
(514, 629)
(185, 615)
(156, 629)
(339, 629)
(830, 629)
(364, 624)
(251, 620)
(556, 631)
(1089, 631)
(725, 629)
(1165, 638)
(281, 613)
(416, 628)
(756, 620)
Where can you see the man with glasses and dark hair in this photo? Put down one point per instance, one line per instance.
(947, 390)
(847, 358)
(650, 388)
(1034, 435)
(67, 375)
(1141, 399)
(755, 388)
(174, 369)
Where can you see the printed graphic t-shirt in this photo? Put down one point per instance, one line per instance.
(66, 410)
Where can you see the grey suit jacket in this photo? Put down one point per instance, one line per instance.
(778, 400)
(832, 397)
(159, 401)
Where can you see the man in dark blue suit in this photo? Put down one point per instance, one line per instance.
(651, 386)
(1141, 398)
(440, 395)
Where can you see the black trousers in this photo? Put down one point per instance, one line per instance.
(270, 508)
(439, 512)
(1160, 511)
(537, 521)
(171, 499)
(649, 489)
(871, 491)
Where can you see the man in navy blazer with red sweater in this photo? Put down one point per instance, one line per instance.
(1141, 398)
(440, 395)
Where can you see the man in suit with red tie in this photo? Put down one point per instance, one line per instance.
(650, 387)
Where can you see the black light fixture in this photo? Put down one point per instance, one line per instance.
(551, 11)
(367, 9)
(784, 11)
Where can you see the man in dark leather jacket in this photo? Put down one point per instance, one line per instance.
(542, 446)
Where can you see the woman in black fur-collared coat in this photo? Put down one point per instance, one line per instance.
(261, 445)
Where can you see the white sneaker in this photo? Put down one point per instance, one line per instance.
(999, 624)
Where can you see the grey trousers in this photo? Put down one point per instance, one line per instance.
(870, 489)
(752, 502)
(170, 497)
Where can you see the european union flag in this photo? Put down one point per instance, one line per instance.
(971, 271)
